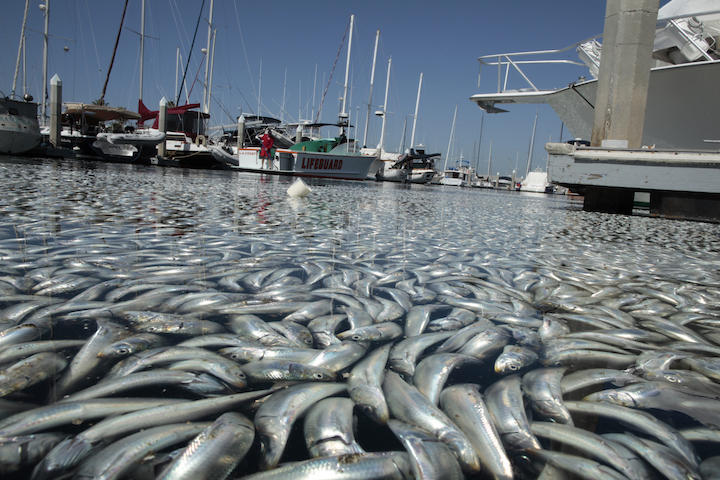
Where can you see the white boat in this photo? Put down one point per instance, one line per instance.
(415, 166)
(536, 182)
(482, 182)
(19, 129)
(682, 108)
(324, 158)
(457, 177)
(92, 130)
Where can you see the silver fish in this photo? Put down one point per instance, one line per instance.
(574, 464)
(215, 451)
(429, 458)
(118, 458)
(433, 371)
(404, 354)
(641, 421)
(504, 400)
(277, 414)
(285, 370)
(664, 459)
(543, 388)
(407, 404)
(387, 465)
(465, 405)
(587, 443)
(514, 358)
(329, 428)
(365, 384)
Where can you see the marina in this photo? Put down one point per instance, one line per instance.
(272, 298)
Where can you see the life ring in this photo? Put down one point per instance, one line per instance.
(201, 140)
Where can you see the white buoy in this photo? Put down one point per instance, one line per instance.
(298, 189)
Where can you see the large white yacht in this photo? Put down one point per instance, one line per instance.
(683, 108)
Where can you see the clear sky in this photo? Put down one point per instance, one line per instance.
(294, 40)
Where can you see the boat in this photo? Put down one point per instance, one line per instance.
(329, 157)
(454, 178)
(682, 108)
(460, 176)
(186, 142)
(414, 166)
(101, 132)
(336, 158)
(19, 128)
(536, 182)
(482, 182)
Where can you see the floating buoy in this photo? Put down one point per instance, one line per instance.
(298, 189)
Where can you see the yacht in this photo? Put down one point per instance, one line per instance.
(332, 157)
(461, 177)
(414, 166)
(683, 108)
(19, 129)
(536, 182)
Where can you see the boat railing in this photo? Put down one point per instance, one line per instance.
(518, 61)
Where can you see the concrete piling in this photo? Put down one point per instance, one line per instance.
(162, 124)
(55, 110)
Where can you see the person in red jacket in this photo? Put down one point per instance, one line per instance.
(265, 150)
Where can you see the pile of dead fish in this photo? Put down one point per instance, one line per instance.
(341, 367)
(159, 326)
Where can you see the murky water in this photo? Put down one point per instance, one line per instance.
(67, 227)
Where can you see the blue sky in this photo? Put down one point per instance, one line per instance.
(440, 39)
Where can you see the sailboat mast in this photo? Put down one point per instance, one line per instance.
(212, 67)
(46, 8)
(372, 81)
(417, 105)
(21, 48)
(482, 121)
(343, 114)
(177, 63)
(259, 88)
(142, 51)
(313, 97)
(101, 101)
(532, 143)
(489, 161)
(282, 108)
(452, 134)
(206, 99)
(382, 129)
(401, 148)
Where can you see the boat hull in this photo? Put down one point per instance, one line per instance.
(19, 130)
(302, 164)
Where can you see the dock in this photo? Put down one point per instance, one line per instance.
(681, 184)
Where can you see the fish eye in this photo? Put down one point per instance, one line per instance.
(123, 351)
(513, 367)
(356, 337)
(318, 375)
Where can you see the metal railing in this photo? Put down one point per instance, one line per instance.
(506, 60)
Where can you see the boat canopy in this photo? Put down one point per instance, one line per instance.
(100, 113)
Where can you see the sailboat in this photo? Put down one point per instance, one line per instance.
(19, 128)
(413, 166)
(99, 131)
